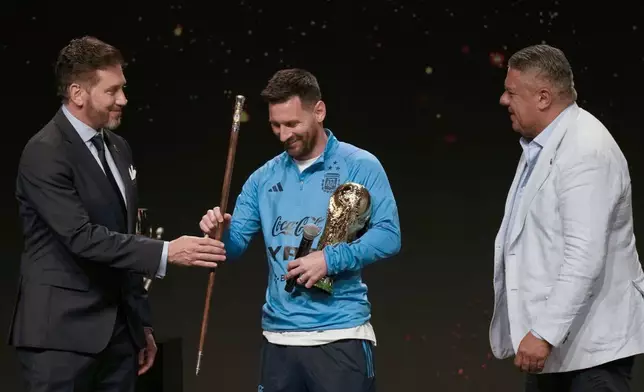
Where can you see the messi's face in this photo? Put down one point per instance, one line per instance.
(297, 127)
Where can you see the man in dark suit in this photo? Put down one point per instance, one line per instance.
(82, 320)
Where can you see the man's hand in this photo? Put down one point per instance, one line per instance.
(147, 355)
(309, 268)
(212, 220)
(532, 354)
(191, 251)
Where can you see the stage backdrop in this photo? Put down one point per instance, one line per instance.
(417, 83)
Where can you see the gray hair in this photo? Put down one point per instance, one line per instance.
(550, 64)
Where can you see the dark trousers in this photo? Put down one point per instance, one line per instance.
(112, 370)
(342, 366)
(610, 377)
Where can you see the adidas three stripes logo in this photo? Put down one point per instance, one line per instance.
(276, 188)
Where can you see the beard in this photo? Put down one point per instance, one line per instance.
(113, 122)
(298, 147)
(103, 118)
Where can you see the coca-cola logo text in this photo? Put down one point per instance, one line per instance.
(281, 226)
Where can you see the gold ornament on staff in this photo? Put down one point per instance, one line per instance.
(143, 225)
(230, 163)
(348, 213)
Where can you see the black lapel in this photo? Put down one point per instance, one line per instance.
(86, 159)
(123, 164)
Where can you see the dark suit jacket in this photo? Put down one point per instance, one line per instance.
(80, 258)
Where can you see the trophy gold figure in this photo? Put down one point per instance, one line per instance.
(347, 215)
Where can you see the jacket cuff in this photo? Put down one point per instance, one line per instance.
(551, 333)
(328, 254)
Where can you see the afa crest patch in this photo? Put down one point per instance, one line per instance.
(330, 182)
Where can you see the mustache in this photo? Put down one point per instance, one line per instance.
(291, 140)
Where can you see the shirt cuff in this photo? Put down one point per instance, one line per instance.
(164, 261)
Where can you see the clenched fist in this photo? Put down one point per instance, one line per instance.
(212, 220)
(191, 251)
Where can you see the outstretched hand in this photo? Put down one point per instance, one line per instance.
(189, 251)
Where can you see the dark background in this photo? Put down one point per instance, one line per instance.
(416, 83)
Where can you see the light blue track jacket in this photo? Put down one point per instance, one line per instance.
(279, 200)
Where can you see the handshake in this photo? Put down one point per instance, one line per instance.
(190, 251)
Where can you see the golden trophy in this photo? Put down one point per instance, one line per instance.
(143, 227)
(348, 213)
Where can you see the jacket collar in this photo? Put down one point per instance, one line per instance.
(330, 148)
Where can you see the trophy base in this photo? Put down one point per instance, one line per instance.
(325, 284)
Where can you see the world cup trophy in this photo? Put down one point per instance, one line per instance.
(143, 227)
(347, 215)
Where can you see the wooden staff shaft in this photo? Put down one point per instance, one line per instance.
(230, 163)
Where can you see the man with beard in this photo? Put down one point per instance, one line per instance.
(313, 341)
(82, 320)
